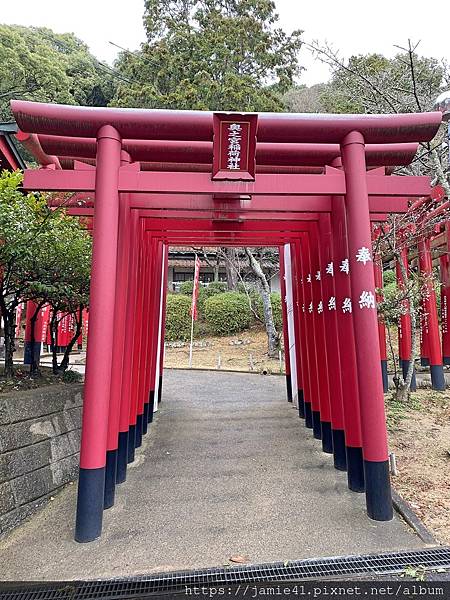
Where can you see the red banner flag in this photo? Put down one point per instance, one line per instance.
(195, 289)
(45, 312)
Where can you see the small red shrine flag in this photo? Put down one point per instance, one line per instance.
(195, 288)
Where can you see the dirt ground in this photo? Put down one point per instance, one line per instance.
(419, 435)
(246, 351)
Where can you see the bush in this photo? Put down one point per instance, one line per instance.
(215, 287)
(186, 288)
(178, 317)
(227, 313)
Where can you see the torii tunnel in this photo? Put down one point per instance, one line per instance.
(310, 185)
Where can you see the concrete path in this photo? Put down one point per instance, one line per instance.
(227, 468)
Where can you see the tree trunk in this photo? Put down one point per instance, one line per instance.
(231, 269)
(34, 365)
(216, 269)
(10, 347)
(65, 360)
(54, 340)
(272, 335)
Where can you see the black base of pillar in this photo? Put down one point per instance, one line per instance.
(288, 387)
(355, 469)
(327, 438)
(425, 362)
(446, 360)
(122, 457)
(131, 443)
(301, 404)
(317, 428)
(91, 486)
(437, 377)
(139, 420)
(308, 415)
(160, 389)
(378, 490)
(405, 367)
(145, 419)
(110, 478)
(340, 457)
(151, 405)
(384, 376)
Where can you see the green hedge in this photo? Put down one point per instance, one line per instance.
(204, 292)
(227, 313)
(178, 318)
(215, 287)
(186, 288)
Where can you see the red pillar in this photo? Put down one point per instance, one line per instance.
(311, 336)
(445, 306)
(373, 420)
(154, 251)
(295, 275)
(157, 319)
(303, 342)
(99, 356)
(320, 342)
(332, 343)
(289, 258)
(163, 319)
(347, 350)
(118, 347)
(148, 268)
(135, 347)
(430, 315)
(126, 435)
(35, 351)
(287, 364)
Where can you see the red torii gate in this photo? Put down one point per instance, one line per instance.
(326, 224)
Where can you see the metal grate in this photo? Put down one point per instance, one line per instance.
(317, 568)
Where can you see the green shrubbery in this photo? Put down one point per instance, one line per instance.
(178, 317)
(215, 287)
(204, 292)
(220, 312)
(227, 313)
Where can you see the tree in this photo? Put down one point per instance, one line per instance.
(22, 222)
(44, 256)
(303, 99)
(210, 55)
(273, 337)
(39, 64)
(407, 83)
(63, 277)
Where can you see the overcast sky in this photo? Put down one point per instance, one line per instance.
(352, 26)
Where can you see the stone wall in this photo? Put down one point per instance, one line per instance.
(39, 446)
